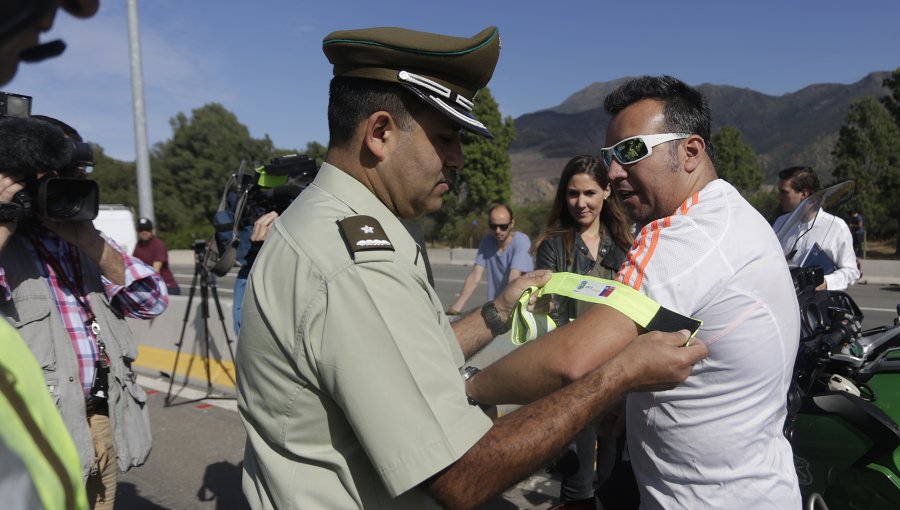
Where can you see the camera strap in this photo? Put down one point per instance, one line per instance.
(644, 311)
(77, 289)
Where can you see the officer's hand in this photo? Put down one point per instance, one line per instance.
(262, 226)
(658, 361)
(508, 299)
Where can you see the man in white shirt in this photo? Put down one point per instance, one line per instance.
(716, 440)
(830, 233)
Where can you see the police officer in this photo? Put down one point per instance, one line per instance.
(348, 371)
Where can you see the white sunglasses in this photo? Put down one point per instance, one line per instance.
(635, 148)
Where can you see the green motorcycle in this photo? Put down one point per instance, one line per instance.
(844, 404)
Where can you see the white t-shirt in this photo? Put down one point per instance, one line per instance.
(834, 238)
(716, 440)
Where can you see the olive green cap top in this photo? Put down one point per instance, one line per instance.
(445, 71)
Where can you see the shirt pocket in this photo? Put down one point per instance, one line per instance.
(30, 315)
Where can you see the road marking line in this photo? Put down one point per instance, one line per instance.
(221, 372)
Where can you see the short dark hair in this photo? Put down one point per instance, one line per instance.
(685, 108)
(67, 129)
(801, 178)
(350, 100)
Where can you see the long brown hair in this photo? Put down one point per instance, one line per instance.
(561, 223)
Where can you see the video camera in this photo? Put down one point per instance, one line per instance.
(248, 196)
(33, 145)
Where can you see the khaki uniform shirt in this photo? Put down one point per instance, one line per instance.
(347, 368)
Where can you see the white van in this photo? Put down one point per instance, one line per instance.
(117, 222)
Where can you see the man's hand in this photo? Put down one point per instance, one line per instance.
(508, 300)
(82, 234)
(262, 226)
(85, 236)
(657, 361)
(8, 189)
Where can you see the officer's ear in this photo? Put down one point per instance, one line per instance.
(380, 133)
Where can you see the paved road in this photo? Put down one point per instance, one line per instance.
(199, 444)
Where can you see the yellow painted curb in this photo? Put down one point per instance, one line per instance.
(221, 372)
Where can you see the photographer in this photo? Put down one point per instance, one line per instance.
(250, 204)
(261, 228)
(67, 290)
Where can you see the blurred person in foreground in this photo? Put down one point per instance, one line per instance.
(21, 23)
(151, 250)
(67, 289)
(348, 371)
(828, 235)
(716, 440)
(587, 233)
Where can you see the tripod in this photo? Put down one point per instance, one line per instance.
(201, 273)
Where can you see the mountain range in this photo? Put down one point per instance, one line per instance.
(799, 128)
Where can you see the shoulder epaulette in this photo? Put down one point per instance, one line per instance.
(364, 233)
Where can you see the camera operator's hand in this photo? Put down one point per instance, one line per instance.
(262, 225)
(8, 189)
(84, 235)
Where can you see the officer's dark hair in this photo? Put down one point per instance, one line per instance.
(350, 100)
(31, 146)
(801, 178)
(685, 109)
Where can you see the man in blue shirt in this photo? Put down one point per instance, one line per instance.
(503, 251)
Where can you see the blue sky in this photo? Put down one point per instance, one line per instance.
(263, 61)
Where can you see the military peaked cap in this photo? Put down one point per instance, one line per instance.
(444, 71)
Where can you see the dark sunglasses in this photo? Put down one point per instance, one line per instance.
(501, 226)
(635, 148)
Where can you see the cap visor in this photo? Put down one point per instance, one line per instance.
(460, 116)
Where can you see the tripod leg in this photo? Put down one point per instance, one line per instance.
(187, 313)
(228, 339)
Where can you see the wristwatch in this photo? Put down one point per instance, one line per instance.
(493, 320)
(468, 373)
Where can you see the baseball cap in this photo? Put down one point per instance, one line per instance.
(444, 71)
(145, 224)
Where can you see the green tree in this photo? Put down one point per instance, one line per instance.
(892, 101)
(115, 178)
(191, 169)
(868, 152)
(485, 179)
(735, 160)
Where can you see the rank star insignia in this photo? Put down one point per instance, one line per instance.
(367, 229)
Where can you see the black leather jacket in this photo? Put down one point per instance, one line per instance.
(551, 254)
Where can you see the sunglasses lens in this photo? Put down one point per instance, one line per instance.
(606, 156)
(630, 151)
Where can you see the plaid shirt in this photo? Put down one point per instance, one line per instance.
(143, 296)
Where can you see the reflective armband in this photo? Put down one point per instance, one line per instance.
(644, 311)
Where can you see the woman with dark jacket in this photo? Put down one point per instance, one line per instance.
(587, 233)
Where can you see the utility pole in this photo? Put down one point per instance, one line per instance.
(142, 154)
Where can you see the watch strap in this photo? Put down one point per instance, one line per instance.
(492, 319)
